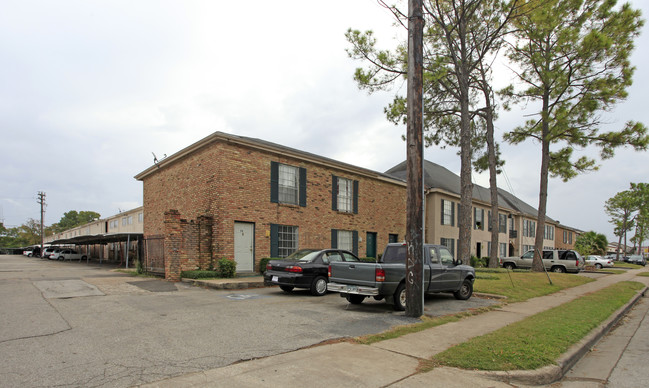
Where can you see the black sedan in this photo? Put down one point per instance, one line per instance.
(305, 268)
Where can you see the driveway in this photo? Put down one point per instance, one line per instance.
(74, 324)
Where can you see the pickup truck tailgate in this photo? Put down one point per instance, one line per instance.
(356, 273)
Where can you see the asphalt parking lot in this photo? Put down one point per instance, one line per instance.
(73, 324)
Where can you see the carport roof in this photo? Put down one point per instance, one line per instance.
(99, 238)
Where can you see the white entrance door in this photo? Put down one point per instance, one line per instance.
(244, 246)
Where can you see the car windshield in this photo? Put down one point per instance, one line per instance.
(303, 255)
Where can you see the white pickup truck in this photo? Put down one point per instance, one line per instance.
(555, 260)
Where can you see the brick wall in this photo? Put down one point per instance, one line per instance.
(187, 244)
(231, 182)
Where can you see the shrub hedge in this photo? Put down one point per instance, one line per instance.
(227, 268)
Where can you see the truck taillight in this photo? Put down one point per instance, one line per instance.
(268, 266)
(380, 274)
(329, 271)
(294, 268)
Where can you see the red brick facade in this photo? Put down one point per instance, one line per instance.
(227, 181)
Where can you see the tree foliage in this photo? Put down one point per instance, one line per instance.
(591, 243)
(459, 40)
(628, 209)
(573, 57)
(72, 219)
(640, 192)
(24, 235)
(29, 233)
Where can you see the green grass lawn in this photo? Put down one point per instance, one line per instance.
(522, 286)
(518, 286)
(541, 339)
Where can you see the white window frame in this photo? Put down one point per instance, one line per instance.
(288, 184)
(345, 197)
(345, 240)
(288, 238)
(502, 223)
(447, 211)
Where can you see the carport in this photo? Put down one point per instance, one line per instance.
(104, 239)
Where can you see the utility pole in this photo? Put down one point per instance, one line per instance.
(414, 161)
(41, 201)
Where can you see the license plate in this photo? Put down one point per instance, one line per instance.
(352, 288)
(274, 279)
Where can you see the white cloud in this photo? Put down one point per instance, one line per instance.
(90, 89)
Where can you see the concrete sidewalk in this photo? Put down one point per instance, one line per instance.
(394, 362)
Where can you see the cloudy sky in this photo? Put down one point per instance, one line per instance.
(89, 89)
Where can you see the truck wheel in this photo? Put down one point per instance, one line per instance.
(465, 291)
(355, 299)
(319, 286)
(598, 266)
(558, 269)
(400, 298)
(286, 288)
(509, 266)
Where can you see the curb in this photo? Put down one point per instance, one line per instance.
(552, 373)
(224, 286)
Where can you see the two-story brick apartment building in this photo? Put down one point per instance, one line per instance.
(246, 199)
(262, 199)
(516, 219)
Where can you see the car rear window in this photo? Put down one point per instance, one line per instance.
(394, 254)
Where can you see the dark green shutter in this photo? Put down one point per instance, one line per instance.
(453, 213)
(482, 222)
(334, 193)
(489, 222)
(274, 182)
(355, 242)
(274, 236)
(334, 238)
(355, 197)
(441, 221)
(302, 186)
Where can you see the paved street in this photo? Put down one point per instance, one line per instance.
(72, 324)
(618, 360)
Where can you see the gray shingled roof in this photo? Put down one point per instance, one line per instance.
(438, 177)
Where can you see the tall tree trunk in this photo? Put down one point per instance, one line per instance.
(537, 263)
(617, 251)
(466, 186)
(414, 231)
(495, 219)
(491, 152)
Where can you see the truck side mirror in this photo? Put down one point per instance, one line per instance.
(458, 262)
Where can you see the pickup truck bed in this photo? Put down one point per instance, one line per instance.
(386, 279)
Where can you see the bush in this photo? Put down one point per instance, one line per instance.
(227, 268)
(482, 262)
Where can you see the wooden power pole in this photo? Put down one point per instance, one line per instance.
(414, 205)
(41, 201)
